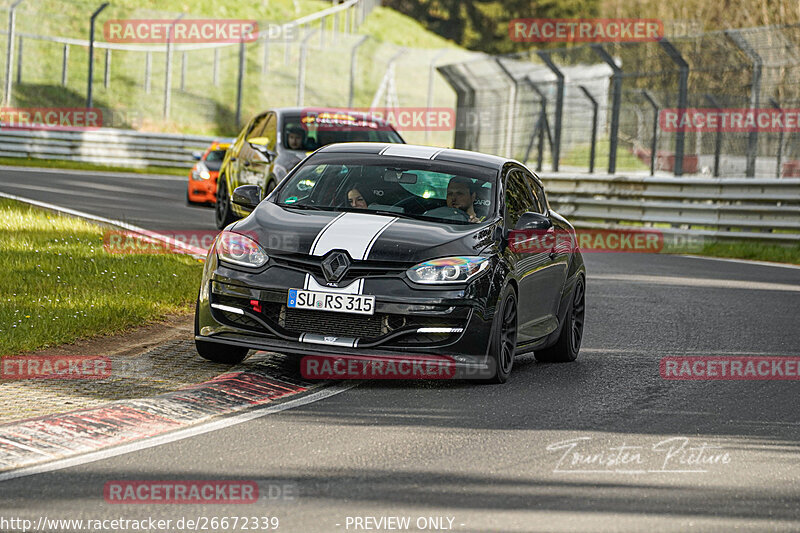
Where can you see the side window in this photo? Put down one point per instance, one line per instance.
(540, 204)
(258, 127)
(517, 196)
(271, 130)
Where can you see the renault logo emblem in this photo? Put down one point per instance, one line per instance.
(335, 266)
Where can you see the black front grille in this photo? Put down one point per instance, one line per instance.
(330, 323)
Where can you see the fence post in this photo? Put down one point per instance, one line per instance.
(183, 71)
(683, 89)
(718, 138)
(512, 107)
(168, 70)
(215, 68)
(10, 50)
(148, 69)
(430, 86)
(322, 32)
(755, 93)
(107, 69)
(654, 143)
(91, 53)
(777, 106)
(541, 127)
(616, 102)
(353, 57)
(595, 107)
(301, 69)
(467, 131)
(545, 56)
(265, 58)
(240, 83)
(19, 60)
(64, 62)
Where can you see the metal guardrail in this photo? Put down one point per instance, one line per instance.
(724, 209)
(104, 146)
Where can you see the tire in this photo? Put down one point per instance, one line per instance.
(223, 214)
(216, 352)
(504, 337)
(568, 344)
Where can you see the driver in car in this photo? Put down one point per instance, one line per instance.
(461, 196)
(295, 137)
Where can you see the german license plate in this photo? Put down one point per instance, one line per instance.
(327, 301)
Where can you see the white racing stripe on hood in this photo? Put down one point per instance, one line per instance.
(356, 233)
(353, 232)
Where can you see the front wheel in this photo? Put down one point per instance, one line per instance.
(504, 337)
(223, 213)
(569, 340)
(213, 351)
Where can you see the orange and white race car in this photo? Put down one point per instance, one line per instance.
(202, 188)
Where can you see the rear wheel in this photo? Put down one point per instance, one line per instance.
(223, 213)
(216, 352)
(569, 340)
(504, 337)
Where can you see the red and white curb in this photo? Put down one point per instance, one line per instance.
(53, 442)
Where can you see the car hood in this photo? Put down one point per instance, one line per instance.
(364, 236)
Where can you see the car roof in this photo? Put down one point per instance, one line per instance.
(449, 155)
(299, 110)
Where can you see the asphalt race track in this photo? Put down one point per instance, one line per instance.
(491, 458)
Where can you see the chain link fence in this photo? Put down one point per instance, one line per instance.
(316, 59)
(597, 107)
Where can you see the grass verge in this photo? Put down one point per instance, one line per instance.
(753, 251)
(77, 165)
(58, 284)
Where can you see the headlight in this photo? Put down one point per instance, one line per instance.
(201, 172)
(240, 250)
(448, 270)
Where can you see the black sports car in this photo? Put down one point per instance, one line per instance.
(392, 250)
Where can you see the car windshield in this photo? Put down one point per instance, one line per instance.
(422, 189)
(311, 131)
(214, 159)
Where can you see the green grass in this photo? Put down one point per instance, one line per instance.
(78, 165)
(59, 284)
(579, 157)
(753, 251)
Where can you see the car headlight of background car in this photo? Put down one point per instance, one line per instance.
(241, 250)
(448, 270)
(201, 172)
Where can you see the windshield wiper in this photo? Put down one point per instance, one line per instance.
(306, 206)
(390, 213)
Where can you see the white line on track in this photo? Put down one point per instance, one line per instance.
(744, 261)
(181, 434)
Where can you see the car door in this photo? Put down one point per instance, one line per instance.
(561, 251)
(242, 158)
(534, 266)
(253, 159)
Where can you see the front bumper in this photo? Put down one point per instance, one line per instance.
(203, 191)
(250, 310)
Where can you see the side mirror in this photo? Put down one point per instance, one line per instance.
(247, 196)
(197, 155)
(533, 221)
(262, 148)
